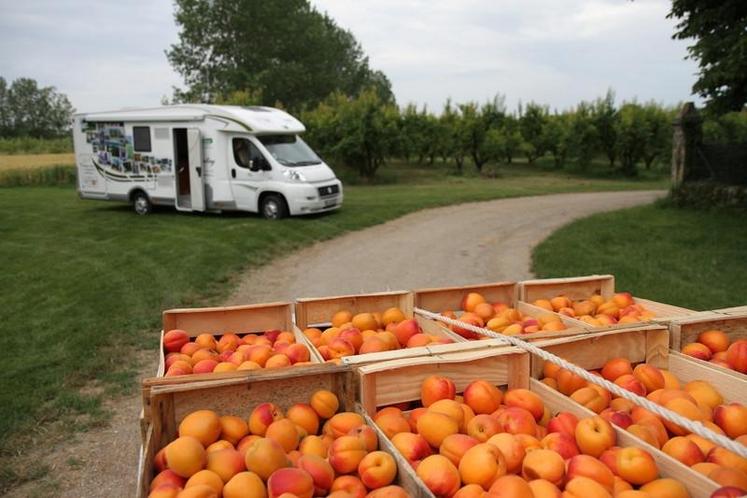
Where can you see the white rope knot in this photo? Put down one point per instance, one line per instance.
(690, 425)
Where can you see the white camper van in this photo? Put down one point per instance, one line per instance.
(203, 158)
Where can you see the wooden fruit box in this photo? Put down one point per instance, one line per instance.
(238, 396)
(317, 312)
(576, 288)
(254, 318)
(387, 383)
(686, 330)
(246, 319)
(439, 299)
(643, 344)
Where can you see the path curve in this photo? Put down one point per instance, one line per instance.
(454, 245)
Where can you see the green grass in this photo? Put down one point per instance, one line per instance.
(690, 258)
(84, 282)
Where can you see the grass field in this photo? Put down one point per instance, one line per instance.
(695, 259)
(84, 282)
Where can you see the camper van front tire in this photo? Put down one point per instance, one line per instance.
(273, 207)
(141, 203)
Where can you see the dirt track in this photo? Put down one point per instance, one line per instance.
(478, 242)
(468, 243)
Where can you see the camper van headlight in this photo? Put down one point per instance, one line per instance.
(294, 176)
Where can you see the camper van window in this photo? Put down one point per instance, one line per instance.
(289, 150)
(245, 152)
(141, 138)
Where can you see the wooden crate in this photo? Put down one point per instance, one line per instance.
(234, 396)
(643, 344)
(317, 312)
(246, 319)
(576, 288)
(383, 384)
(439, 299)
(686, 330)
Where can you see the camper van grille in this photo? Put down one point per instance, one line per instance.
(329, 190)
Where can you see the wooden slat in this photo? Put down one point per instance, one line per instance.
(236, 319)
(397, 381)
(438, 299)
(731, 384)
(574, 288)
(314, 311)
(733, 310)
(686, 330)
(593, 350)
(697, 484)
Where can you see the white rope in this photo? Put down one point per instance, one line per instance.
(690, 425)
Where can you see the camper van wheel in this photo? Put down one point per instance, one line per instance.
(274, 207)
(141, 203)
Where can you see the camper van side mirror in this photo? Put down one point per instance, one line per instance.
(265, 164)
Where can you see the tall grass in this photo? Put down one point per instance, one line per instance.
(48, 176)
(29, 145)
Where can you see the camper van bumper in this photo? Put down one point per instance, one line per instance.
(316, 206)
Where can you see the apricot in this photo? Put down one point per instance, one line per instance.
(636, 465)
(697, 350)
(665, 488)
(724, 458)
(207, 478)
(524, 398)
(265, 456)
(435, 427)
(450, 408)
(226, 463)
(298, 482)
(245, 485)
(198, 491)
(736, 355)
(284, 433)
(568, 382)
(650, 376)
(174, 340)
(304, 416)
(594, 435)
(517, 420)
(435, 388)
(512, 450)
(366, 434)
(716, 340)
(630, 383)
(342, 423)
(482, 427)
(703, 392)
(543, 464)
(345, 453)
(684, 450)
(169, 490)
(388, 492)
(560, 443)
(590, 398)
(510, 486)
(685, 408)
(564, 422)
(584, 487)
(470, 491)
(439, 475)
(412, 446)
(616, 367)
(732, 419)
(587, 466)
(351, 485)
(186, 456)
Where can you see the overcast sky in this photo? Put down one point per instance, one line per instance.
(106, 54)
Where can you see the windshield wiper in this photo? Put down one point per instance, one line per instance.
(305, 163)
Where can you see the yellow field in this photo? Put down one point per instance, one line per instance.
(32, 161)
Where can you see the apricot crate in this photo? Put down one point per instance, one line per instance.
(443, 299)
(736, 310)
(649, 345)
(250, 319)
(318, 313)
(239, 396)
(688, 330)
(242, 320)
(582, 288)
(399, 382)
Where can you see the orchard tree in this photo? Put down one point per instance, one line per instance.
(531, 124)
(556, 135)
(360, 132)
(719, 29)
(604, 116)
(456, 143)
(658, 125)
(632, 135)
(477, 120)
(584, 136)
(283, 51)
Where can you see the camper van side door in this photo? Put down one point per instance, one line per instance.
(247, 170)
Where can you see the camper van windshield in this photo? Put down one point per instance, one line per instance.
(289, 150)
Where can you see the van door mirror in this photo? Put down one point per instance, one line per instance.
(265, 164)
(254, 165)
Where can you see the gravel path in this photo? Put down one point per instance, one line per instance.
(454, 245)
(468, 243)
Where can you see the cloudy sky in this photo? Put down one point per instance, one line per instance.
(107, 54)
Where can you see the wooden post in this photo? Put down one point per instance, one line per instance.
(687, 136)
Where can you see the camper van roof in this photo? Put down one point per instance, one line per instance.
(256, 119)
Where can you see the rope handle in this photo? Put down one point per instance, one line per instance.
(674, 417)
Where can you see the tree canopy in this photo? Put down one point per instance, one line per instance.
(285, 52)
(28, 110)
(719, 28)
